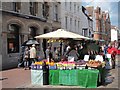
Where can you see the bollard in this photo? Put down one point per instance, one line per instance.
(45, 74)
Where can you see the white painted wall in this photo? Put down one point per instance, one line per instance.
(75, 14)
(114, 35)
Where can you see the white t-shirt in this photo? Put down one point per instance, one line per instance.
(68, 47)
(33, 52)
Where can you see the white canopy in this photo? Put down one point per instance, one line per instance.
(60, 33)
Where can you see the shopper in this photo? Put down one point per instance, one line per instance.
(33, 54)
(57, 54)
(105, 49)
(49, 53)
(111, 50)
(26, 58)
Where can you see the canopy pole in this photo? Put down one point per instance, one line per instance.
(60, 49)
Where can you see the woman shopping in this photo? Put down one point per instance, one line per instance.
(26, 58)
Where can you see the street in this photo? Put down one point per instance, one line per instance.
(20, 78)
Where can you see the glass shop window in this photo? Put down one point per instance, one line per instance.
(13, 38)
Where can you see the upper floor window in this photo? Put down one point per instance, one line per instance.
(70, 23)
(78, 25)
(66, 22)
(45, 10)
(16, 6)
(78, 8)
(56, 13)
(65, 3)
(70, 6)
(75, 24)
(33, 8)
(74, 7)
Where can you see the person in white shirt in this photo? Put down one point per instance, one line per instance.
(33, 53)
(68, 48)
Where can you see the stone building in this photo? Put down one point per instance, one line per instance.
(22, 21)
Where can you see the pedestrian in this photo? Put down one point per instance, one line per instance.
(68, 48)
(33, 54)
(115, 44)
(111, 50)
(37, 52)
(49, 53)
(57, 54)
(26, 58)
(105, 49)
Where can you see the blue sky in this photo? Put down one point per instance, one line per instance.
(106, 5)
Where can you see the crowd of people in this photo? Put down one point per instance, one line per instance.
(30, 54)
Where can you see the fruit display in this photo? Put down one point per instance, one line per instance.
(93, 63)
(65, 65)
(80, 62)
(38, 63)
(103, 64)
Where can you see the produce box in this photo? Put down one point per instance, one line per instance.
(53, 67)
(61, 66)
(36, 67)
(66, 65)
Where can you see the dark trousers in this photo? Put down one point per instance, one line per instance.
(33, 60)
(26, 63)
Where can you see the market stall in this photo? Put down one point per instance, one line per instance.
(61, 34)
(81, 73)
(84, 73)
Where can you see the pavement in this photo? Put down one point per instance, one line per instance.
(20, 78)
(14, 78)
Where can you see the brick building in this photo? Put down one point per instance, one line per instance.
(101, 23)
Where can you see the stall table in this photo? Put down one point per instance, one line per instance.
(85, 77)
(37, 77)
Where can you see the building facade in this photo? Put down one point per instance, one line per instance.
(88, 31)
(72, 17)
(25, 20)
(101, 23)
(107, 26)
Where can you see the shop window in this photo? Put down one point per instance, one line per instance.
(13, 38)
(16, 6)
(85, 32)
